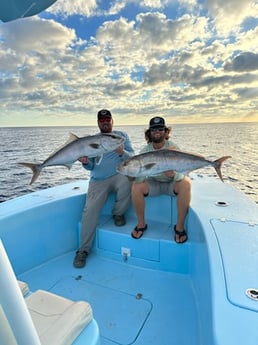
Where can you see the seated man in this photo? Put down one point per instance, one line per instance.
(104, 180)
(169, 182)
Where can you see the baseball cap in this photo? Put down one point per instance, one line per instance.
(104, 113)
(157, 122)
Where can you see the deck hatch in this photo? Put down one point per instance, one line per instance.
(113, 310)
(239, 264)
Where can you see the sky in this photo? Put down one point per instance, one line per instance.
(189, 61)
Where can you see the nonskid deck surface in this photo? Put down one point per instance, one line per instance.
(132, 305)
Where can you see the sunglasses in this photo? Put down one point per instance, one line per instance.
(104, 119)
(160, 129)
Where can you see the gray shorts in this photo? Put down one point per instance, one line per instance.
(158, 188)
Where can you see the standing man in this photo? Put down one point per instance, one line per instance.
(169, 182)
(103, 180)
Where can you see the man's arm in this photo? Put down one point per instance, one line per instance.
(126, 150)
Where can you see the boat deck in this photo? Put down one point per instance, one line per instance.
(128, 302)
(146, 297)
(151, 290)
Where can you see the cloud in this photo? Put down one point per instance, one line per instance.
(92, 8)
(157, 4)
(75, 7)
(246, 61)
(227, 80)
(174, 73)
(35, 61)
(229, 15)
(147, 63)
(247, 92)
(35, 35)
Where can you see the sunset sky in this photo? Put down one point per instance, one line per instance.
(187, 60)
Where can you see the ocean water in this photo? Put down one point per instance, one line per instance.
(35, 144)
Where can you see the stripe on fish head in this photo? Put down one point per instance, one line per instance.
(149, 166)
(94, 145)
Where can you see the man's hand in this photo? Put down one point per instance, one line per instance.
(120, 149)
(170, 173)
(84, 160)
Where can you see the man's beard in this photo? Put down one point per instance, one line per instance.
(106, 129)
(158, 140)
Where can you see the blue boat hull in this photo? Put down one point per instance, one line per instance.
(152, 290)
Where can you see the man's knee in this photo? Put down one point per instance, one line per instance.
(183, 185)
(140, 188)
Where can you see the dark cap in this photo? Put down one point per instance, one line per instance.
(157, 122)
(104, 113)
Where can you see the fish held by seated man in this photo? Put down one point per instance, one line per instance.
(90, 146)
(155, 162)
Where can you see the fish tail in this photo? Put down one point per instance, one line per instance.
(36, 169)
(218, 164)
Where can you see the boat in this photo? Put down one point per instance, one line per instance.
(131, 292)
(146, 291)
(15, 9)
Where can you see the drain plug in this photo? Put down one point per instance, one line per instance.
(252, 293)
(221, 203)
(138, 296)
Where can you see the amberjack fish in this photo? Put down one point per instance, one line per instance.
(155, 162)
(74, 148)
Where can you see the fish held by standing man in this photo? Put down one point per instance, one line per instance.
(90, 146)
(152, 163)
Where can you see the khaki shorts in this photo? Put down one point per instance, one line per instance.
(158, 188)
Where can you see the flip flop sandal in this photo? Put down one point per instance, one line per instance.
(137, 230)
(180, 234)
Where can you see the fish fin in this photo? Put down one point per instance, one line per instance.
(68, 165)
(98, 160)
(94, 145)
(72, 137)
(173, 148)
(36, 169)
(218, 164)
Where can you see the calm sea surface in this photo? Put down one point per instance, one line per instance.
(238, 140)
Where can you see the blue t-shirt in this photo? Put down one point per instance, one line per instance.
(109, 161)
